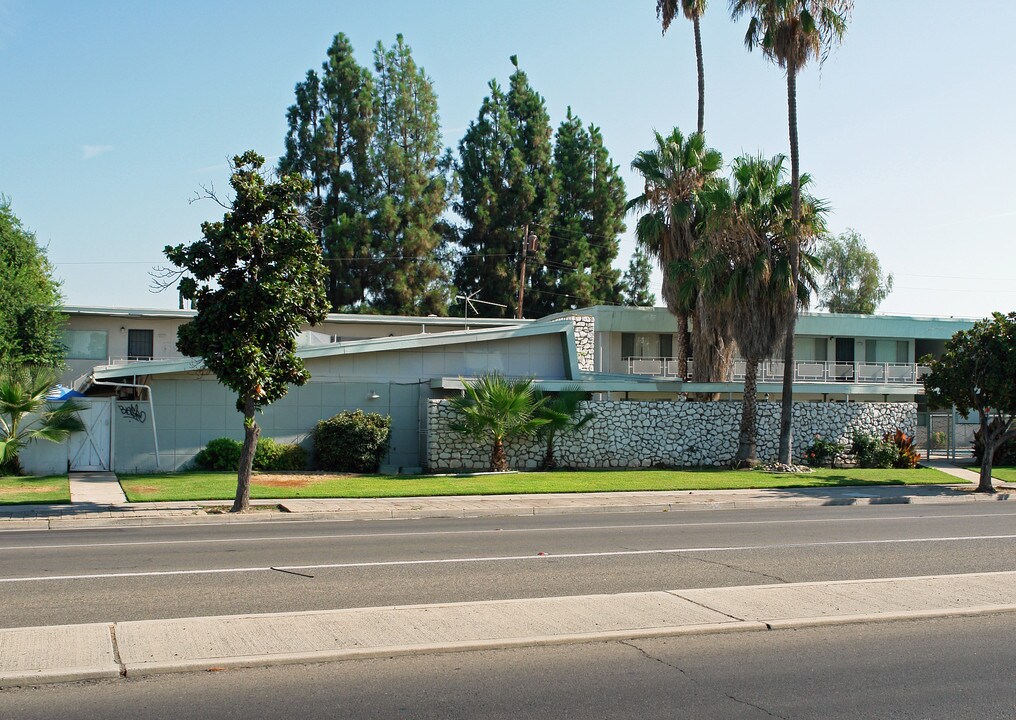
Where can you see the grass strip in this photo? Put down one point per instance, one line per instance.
(32, 490)
(222, 485)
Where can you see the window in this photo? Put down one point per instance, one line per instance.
(903, 351)
(667, 346)
(140, 344)
(642, 345)
(85, 344)
(821, 349)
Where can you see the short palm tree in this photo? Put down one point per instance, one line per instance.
(791, 33)
(496, 409)
(746, 263)
(26, 415)
(666, 11)
(676, 171)
(562, 413)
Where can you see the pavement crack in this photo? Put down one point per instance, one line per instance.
(116, 651)
(696, 681)
(291, 572)
(738, 568)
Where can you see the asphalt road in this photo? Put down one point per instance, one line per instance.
(947, 669)
(116, 574)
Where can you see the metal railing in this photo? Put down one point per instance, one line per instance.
(829, 371)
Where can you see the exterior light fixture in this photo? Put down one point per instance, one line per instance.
(373, 395)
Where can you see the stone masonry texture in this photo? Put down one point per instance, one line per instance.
(631, 434)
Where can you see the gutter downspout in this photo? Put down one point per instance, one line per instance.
(151, 404)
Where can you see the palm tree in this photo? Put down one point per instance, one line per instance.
(496, 409)
(26, 415)
(746, 262)
(675, 172)
(791, 33)
(666, 11)
(561, 411)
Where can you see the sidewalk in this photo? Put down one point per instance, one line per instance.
(97, 514)
(80, 652)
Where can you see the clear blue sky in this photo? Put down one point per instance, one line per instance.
(114, 113)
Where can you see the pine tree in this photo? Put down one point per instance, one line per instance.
(636, 281)
(408, 277)
(583, 240)
(331, 125)
(507, 182)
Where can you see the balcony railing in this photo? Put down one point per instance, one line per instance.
(804, 371)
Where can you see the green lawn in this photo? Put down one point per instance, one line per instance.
(30, 489)
(1004, 472)
(222, 486)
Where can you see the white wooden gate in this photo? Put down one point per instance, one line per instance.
(90, 450)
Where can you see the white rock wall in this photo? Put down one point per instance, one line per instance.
(628, 434)
(585, 332)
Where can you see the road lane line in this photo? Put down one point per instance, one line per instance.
(499, 558)
(493, 531)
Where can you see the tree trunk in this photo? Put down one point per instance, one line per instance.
(712, 345)
(498, 457)
(787, 404)
(988, 457)
(250, 445)
(701, 77)
(549, 463)
(682, 346)
(746, 450)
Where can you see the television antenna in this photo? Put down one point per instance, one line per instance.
(468, 300)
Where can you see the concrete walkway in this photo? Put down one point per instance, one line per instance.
(97, 488)
(77, 652)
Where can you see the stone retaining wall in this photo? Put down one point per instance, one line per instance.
(627, 434)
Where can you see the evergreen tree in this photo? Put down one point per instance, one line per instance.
(331, 125)
(507, 182)
(408, 277)
(30, 320)
(636, 281)
(583, 240)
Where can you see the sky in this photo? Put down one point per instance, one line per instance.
(114, 114)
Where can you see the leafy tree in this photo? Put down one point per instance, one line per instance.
(409, 278)
(745, 265)
(30, 321)
(507, 182)
(26, 415)
(676, 171)
(791, 33)
(328, 141)
(636, 281)
(977, 371)
(497, 409)
(666, 11)
(256, 277)
(852, 278)
(583, 239)
(562, 413)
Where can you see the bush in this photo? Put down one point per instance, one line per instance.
(220, 454)
(224, 454)
(938, 440)
(822, 451)
(1005, 454)
(872, 452)
(907, 456)
(352, 441)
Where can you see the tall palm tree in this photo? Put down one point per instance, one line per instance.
(26, 415)
(791, 33)
(666, 11)
(562, 413)
(746, 262)
(496, 409)
(675, 172)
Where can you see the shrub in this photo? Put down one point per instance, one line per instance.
(822, 451)
(220, 454)
(907, 456)
(352, 441)
(938, 439)
(1005, 454)
(224, 454)
(873, 452)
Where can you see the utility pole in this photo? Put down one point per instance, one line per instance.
(528, 248)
